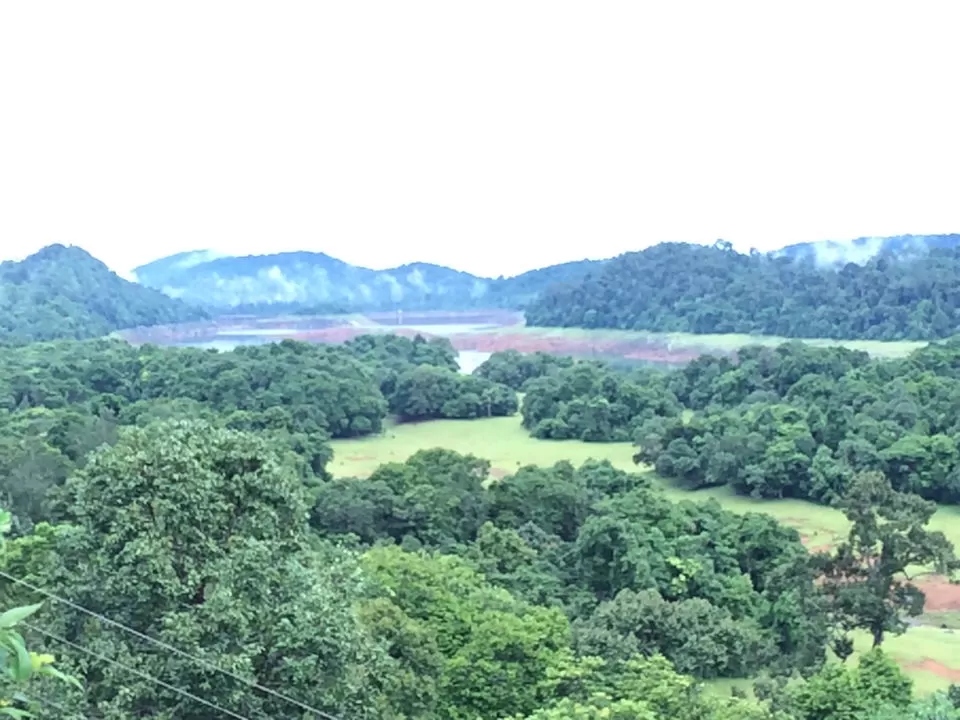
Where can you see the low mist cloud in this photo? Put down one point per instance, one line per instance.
(415, 278)
(396, 289)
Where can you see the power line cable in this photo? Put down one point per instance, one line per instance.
(171, 648)
(184, 693)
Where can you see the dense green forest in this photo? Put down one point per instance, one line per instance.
(63, 292)
(549, 536)
(188, 554)
(179, 499)
(677, 287)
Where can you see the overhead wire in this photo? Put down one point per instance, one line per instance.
(146, 676)
(171, 648)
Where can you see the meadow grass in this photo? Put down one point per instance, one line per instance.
(507, 446)
(929, 655)
(500, 440)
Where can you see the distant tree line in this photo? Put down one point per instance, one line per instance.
(514, 369)
(594, 403)
(790, 421)
(801, 422)
(678, 287)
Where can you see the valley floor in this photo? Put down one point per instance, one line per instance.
(929, 651)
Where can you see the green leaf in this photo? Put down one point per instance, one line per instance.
(13, 616)
(23, 668)
(53, 672)
(15, 712)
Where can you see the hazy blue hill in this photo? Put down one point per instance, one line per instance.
(233, 267)
(167, 269)
(318, 280)
(862, 288)
(524, 289)
(64, 292)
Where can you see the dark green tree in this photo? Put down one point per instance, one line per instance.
(868, 578)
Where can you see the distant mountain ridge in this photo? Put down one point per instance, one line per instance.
(64, 292)
(315, 279)
(319, 283)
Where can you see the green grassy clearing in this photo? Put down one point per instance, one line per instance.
(501, 440)
(878, 348)
(930, 656)
(507, 446)
(941, 619)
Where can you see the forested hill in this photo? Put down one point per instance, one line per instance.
(678, 287)
(317, 280)
(63, 292)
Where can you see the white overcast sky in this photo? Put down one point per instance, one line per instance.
(491, 136)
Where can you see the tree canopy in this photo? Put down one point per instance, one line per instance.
(514, 369)
(172, 509)
(553, 593)
(62, 399)
(197, 536)
(634, 572)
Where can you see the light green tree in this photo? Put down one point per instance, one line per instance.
(197, 536)
(477, 650)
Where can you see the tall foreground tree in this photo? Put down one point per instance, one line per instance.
(196, 535)
(868, 578)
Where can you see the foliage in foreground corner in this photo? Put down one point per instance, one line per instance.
(18, 665)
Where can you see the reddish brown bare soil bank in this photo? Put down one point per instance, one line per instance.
(480, 331)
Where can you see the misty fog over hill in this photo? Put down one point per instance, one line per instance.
(317, 281)
(329, 284)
